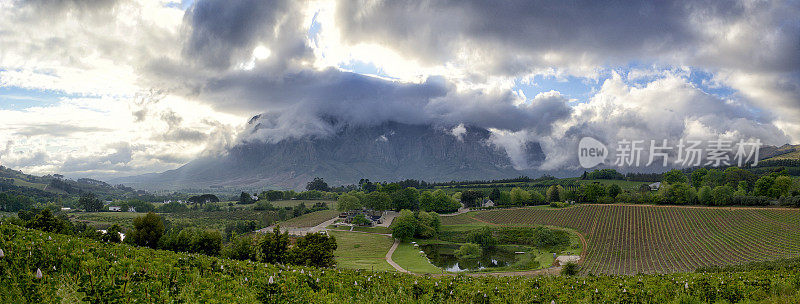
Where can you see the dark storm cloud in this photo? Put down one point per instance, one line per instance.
(224, 32)
(605, 32)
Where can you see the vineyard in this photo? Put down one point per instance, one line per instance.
(625, 239)
(37, 267)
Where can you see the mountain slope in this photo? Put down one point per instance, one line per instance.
(390, 151)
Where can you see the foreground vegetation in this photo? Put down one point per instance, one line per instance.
(631, 239)
(39, 267)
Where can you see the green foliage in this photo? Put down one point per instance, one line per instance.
(245, 198)
(674, 176)
(90, 202)
(241, 247)
(405, 225)
(172, 207)
(722, 195)
(705, 195)
(317, 184)
(519, 196)
(361, 220)
(614, 190)
(483, 237)
(262, 205)
(103, 272)
(112, 234)
(378, 201)
(605, 174)
(469, 251)
(438, 201)
(570, 269)
(314, 249)
(348, 202)
(472, 198)
(274, 247)
(554, 193)
(147, 230)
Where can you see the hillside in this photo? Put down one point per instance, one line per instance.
(75, 270)
(50, 187)
(391, 151)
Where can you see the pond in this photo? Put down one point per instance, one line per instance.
(443, 256)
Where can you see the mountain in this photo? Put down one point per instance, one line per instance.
(391, 151)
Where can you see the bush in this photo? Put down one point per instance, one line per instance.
(558, 204)
(469, 251)
(263, 205)
(483, 236)
(570, 269)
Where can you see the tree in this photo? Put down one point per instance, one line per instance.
(614, 190)
(782, 186)
(519, 196)
(90, 202)
(471, 198)
(147, 230)
(569, 269)
(404, 225)
(495, 195)
(763, 186)
(378, 201)
(705, 196)
(112, 234)
(554, 193)
(428, 224)
(274, 247)
(317, 184)
(537, 198)
(315, 250)
(674, 176)
(246, 198)
(348, 202)
(722, 195)
(697, 177)
(469, 251)
(483, 237)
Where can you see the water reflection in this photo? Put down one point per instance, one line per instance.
(443, 256)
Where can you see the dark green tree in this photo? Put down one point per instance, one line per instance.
(315, 250)
(274, 247)
(90, 202)
(147, 230)
(317, 184)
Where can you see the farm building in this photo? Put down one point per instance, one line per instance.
(655, 186)
(372, 215)
(487, 203)
(115, 208)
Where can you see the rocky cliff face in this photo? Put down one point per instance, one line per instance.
(391, 151)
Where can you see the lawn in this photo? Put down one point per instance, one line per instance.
(310, 219)
(309, 203)
(410, 258)
(362, 251)
(377, 229)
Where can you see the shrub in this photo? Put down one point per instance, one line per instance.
(469, 251)
(570, 269)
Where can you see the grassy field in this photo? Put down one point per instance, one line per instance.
(362, 251)
(409, 257)
(309, 203)
(310, 219)
(627, 239)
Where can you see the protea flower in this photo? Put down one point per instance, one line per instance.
(38, 273)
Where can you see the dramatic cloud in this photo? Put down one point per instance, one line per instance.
(126, 87)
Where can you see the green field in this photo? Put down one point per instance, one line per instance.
(362, 251)
(628, 239)
(310, 219)
(86, 269)
(409, 257)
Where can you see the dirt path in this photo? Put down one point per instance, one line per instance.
(389, 257)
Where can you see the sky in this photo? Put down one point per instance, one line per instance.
(117, 88)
